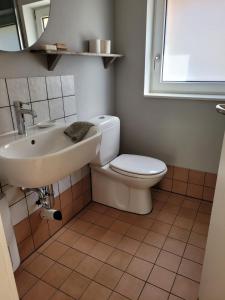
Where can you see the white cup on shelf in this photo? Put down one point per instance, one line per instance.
(95, 46)
(106, 46)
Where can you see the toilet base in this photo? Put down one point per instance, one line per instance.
(111, 192)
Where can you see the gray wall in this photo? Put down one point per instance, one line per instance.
(184, 133)
(73, 22)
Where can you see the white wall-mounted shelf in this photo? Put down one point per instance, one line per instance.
(53, 57)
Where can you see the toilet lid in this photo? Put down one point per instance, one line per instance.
(136, 164)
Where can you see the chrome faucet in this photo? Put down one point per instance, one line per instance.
(20, 112)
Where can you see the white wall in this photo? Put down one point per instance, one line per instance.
(184, 133)
(73, 22)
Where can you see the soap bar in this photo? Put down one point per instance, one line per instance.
(61, 46)
(48, 47)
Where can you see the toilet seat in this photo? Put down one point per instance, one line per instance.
(138, 166)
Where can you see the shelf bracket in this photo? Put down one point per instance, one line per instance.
(52, 61)
(107, 61)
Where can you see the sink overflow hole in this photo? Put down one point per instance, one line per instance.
(33, 142)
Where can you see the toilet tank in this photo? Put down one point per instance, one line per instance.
(110, 144)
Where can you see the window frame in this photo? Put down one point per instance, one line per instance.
(154, 86)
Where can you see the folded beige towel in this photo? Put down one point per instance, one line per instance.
(78, 130)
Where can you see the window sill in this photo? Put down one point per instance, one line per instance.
(185, 96)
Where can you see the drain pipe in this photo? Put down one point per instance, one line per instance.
(47, 201)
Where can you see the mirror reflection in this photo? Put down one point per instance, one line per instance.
(22, 22)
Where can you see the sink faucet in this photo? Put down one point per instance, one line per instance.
(20, 112)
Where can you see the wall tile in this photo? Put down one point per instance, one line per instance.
(86, 171)
(56, 109)
(38, 89)
(208, 193)
(56, 189)
(54, 87)
(180, 174)
(70, 105)
(42, 111)
(4, 100)
(210, 180)
(26, 248)
(170, 170)
(6, 124)
(64, 184)
(179, 187)
(14, 194)
(196, 177)
(68, 88)
(18, 90)
(166, 184)
(31, 203)
(76, 177)
(195, 191)
(22, 230)
(19, 212)
(66, 198)
(39, 227)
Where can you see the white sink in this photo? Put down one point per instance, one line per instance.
(44, 156)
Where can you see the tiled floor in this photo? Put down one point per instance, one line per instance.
(107, 254)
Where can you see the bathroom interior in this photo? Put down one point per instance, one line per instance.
(112, 160)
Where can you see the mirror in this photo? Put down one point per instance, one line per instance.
(22, 22)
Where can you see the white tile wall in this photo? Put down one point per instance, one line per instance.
(3, 93)
(38, 90)
(70, 105)
(19, 212)
(42, 111)
(31, 203)
(54, 87)
(6, 124)
(18, 90)
(56, 108)
(64, 184)
(68, 88)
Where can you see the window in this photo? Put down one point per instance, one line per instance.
(185, 49)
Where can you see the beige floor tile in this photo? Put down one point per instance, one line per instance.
(89, 267)
(116, 296)
(194, 253)
(139, 268)
(166, 217)
(137, 233)
(40, 290)
(71, 258)
(169, 261)
(96, 291)
(24, 282)
(119, 259)
(95, 232)
(75, 285)
(201, 228)
(155, 239)
(179, 234)
(108, 276)
(56, 275)
(112, 212)
(148, 252)
(153, 293)
(80, 226)
(61, 296)
(128, 245)
(105, 221)
(162, 278)
(90, 216)
(172, 297)
(111, 238)
(101, 251)
(120, 227)
(144, 222)
(190, 269)
(130, 286)
(160, 227)
(69, 237)
(174, 246)
(85, 244)
(197, 240)
(55, 250)
(184, 223)
(185, 288)
(100, 208)
(39, 266)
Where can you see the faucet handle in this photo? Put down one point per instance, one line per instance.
(19, 104)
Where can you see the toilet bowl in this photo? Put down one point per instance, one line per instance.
(123, 182)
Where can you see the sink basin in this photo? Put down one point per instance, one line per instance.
(45, 156)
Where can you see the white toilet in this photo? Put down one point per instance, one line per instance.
(124, 181)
